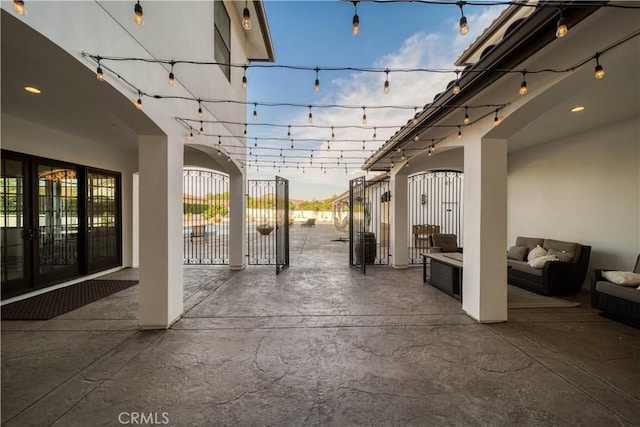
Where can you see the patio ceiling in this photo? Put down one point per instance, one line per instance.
(72, 100)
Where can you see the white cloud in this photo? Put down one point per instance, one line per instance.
(421, 50)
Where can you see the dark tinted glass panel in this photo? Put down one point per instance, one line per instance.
(103, 230)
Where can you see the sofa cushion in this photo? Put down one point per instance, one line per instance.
(563, 256)
(529, 242)
(624, 278)
(560, 246)
(524, 267)
(536, 253)
(630, 294)
(540, 261)
(517, 252)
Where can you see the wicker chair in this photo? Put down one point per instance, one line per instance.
(617, 302)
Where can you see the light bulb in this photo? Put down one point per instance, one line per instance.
(246, 19)
(137, 12)
(190, 137)
(416, 138)
(496, 120)
(561, 29)
(599, 72)
(364, 119)
(459, 132)
(200, 111)
(310, 117)
(255, 115)
(523, 88)
(228, 158)
(386, 86)
(18, 6)
(99, 74)
(201, 128)
(466, 120)
(456, 87)
(244, 82)
(172, 79)
(356, 25)
(464, 28)
(139, 103)
(316, 85)
(219, 152)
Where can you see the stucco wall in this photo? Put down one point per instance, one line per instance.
(585, 188)
(30, 138)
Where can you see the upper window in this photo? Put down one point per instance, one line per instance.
(222, 37)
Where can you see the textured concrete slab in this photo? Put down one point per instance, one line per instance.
(320, 344)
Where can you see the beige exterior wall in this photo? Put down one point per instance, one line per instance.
(584, 188)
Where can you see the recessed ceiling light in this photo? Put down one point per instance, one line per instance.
(32, 89)
(577, 109)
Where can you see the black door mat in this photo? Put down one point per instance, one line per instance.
(60, 301)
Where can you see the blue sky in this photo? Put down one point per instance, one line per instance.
(318, 33)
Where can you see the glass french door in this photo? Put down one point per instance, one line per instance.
(16, 264)
(58, 221)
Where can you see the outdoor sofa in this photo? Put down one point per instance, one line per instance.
(562, 277)
(616, 301)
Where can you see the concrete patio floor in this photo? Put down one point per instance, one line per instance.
(319, 344)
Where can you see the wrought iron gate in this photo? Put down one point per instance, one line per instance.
(205, 201)
(435, 206)
(282, 224)
(268, 222)
(357, 224)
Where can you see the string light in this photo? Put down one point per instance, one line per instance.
(310, 115)
(333, 135)
(246, 17)
(245, 129)
(415, 115)
(374, 133)
(403, 156)
(199, 109)
(459, 132)
(429, 151)
(18, 6)
(561, 27)
(328, 146)
(523, 85)
(172, 78)
(466, 120)
(219, 141)
(219, 152)
(201, 127)
(137, 14)
(289, 132)
(190, 137)
(456, 86)
(599, 69)
(364, 115)
(255, 111)
(356, 20)
(496, 119)
(228, 158)
(139, 102)
(386, 82)
(99, 73)
(416, 138)
(464, 28)
(292, 145)
(255, 143)
(244, 77)
(316, 85)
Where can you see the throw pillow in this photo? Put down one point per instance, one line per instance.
(563, 256)
(624, 278)
(536, 252)
(517, 252)
(540, 261)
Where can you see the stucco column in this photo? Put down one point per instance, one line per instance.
(484, 290)
(399, 248)
(237, 229)
(160, 162)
